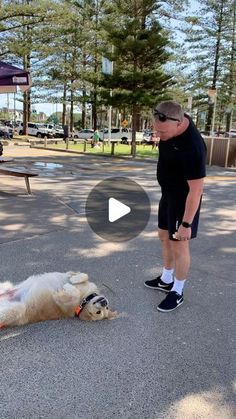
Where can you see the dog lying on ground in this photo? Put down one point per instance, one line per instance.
(52, 296)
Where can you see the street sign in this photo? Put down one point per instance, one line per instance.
(107, 66)
(124, 123)
(212, 93)
(190, 102)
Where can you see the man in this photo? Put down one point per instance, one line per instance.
(96, 139)
(180, 173)
(6, 132)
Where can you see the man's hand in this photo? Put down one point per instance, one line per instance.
(183, 233)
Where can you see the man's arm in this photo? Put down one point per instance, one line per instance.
(191, 207)
(193, 199)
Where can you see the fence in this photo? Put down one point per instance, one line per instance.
(221, 151)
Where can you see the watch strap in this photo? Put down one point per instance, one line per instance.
(185, 224)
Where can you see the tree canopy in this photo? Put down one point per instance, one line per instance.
(158, 49)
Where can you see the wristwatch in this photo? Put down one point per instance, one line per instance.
(185, 224)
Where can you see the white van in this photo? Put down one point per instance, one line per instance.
(38, 130)
(124, 135)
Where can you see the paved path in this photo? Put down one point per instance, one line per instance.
(145, 365)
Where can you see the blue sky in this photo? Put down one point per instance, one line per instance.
(49, 108)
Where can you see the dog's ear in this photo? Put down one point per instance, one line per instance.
(78, 278)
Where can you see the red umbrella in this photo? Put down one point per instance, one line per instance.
(12, 77)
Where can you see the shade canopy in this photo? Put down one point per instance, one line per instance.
(12, 77)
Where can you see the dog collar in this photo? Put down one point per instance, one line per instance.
(79, 308)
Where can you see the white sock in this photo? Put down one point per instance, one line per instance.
(167, 275)
(178, 286)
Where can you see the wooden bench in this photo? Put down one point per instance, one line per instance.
(5, 159)
(18, 173)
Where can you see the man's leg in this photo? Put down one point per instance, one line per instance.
(164, 282)
(168, 254)
(180, 250)
(174, 299)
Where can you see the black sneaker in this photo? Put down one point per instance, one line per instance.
(158, 284)
(171, 302)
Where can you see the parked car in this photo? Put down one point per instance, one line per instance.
(84, 134)
(38, 130)
(147, 135)
(59, 131)
(124, 135)
(218, 134)
(231, 133)
(150, 138)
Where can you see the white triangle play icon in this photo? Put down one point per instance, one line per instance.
(117, 210)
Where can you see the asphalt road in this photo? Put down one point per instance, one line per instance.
(146, 364)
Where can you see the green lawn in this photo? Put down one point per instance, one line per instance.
(120, 149)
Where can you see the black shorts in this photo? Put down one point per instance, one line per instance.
(171, 212)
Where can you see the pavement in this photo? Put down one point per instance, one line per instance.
(146, 364)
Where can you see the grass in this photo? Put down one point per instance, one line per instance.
(120, 149)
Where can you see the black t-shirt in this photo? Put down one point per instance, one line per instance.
(181, 158)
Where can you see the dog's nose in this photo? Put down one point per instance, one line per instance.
(102, 301)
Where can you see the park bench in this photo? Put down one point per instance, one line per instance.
(18, 173)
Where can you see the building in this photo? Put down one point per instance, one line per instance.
(13, 114)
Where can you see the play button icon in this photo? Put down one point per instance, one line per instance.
(117, 209)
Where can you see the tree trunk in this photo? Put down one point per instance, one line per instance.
(25, 113)
(64, 105)
(64, 94)
(135, 110)
(215, 73)
(232, 71)
(71, 109)
(26, 97)
(83, 116)
(94, 110)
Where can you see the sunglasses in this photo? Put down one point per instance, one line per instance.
(162, 117)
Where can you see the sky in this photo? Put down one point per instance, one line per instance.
(50, 108)
(47, 108)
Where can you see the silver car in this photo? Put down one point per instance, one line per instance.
(84, 134)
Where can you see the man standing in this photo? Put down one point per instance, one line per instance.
(6, 132)
(96, 139)
(180, 173)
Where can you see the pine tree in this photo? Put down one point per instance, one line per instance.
(209, 51)
(137, 47)
(24, 31)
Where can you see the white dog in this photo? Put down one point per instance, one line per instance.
(51, 296)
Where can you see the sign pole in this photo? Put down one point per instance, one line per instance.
(107, 68)
(212, 93)
(109, 122)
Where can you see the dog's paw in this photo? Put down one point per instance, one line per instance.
(78, 278)
(113, 315)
